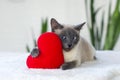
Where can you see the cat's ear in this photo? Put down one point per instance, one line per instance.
(55, 24)
(78, 27)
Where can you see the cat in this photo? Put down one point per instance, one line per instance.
(76, 49)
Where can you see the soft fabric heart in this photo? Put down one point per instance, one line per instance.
(51, 55)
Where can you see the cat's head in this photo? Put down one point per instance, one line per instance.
(68, 34)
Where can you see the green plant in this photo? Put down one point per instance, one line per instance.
(113, 27)
(96, 32)
(44, 28)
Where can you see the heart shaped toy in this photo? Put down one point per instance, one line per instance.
(51, 54)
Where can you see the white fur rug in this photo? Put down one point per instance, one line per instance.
(106, 67)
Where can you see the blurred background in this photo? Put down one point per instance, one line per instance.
(21, 21)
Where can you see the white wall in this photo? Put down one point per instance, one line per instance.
(17, 17)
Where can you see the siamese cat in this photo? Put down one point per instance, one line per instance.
(76, 49)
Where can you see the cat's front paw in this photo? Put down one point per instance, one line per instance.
(35, 52)
(68, 65)
(65, 66)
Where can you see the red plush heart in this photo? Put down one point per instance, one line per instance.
(50, 56)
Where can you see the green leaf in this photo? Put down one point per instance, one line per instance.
(27, 48)
(44, 25)
(92, 21)
(102, 24)
(113, 30)
(107, 37)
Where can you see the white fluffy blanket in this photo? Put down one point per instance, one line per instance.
(106, 67)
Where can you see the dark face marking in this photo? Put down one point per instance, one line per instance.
(55, 25)
(78, 27)
(69, 38)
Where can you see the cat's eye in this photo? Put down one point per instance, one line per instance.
(74, 38)
(63, 37)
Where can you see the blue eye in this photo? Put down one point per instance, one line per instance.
(74, 38)
(63, 37)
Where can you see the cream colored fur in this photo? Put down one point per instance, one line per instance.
(82, 52)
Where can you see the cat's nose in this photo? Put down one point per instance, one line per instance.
(69, 45)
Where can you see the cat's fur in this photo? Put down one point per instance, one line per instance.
(76, 49)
